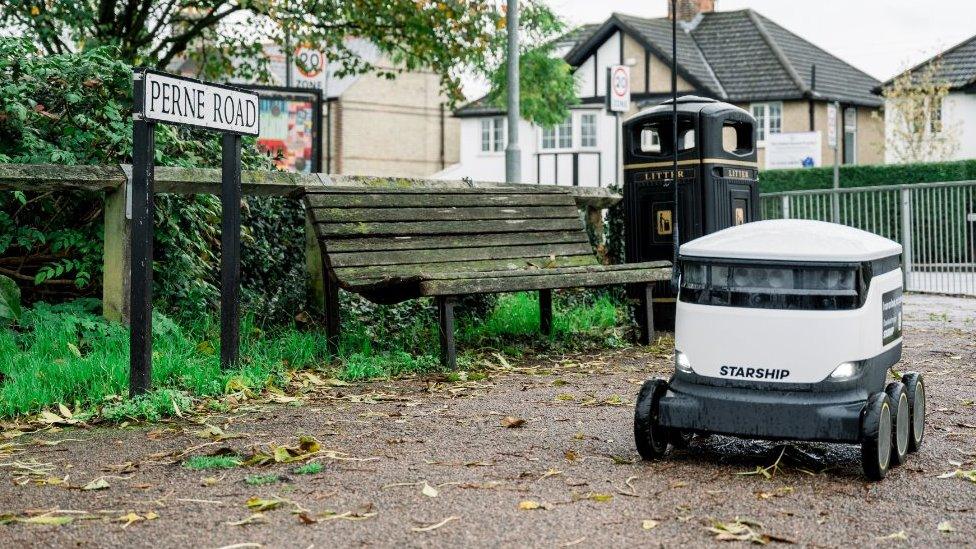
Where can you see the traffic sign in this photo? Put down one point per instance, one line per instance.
(308, 68)
(618, 88)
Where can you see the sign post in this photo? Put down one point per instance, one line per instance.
(832, 110)
(168, 99)
(618, 101)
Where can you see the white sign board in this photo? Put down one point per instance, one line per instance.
(618, 88)
(786, 151)
(308, 68)
(191, 102)
(831, 125)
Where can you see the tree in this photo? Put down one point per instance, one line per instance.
(915, 130)
(227, 38)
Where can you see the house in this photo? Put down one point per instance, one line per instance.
(371, 125)
(738, 56)
(955, 69)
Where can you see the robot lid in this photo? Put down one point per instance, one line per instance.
(792, 240)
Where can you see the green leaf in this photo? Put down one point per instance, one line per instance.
(9, 299)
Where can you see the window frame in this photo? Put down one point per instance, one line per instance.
(497, 135)
(595, 135)
(764, 124)
(853, 132)
(558, 133)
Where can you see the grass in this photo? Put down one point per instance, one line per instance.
(260, 480)
(313, 468)
(67, 354)
(212, 462)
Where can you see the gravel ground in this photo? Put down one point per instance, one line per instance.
(427, 462)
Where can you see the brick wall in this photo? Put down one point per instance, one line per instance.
(393, 127)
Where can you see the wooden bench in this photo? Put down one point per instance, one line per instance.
(391, 241)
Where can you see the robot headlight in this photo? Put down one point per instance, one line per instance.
(681, 363)
(845, 371)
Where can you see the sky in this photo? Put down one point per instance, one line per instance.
(880, 37)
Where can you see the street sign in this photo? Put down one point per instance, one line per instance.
(618, 88)
(831, 125)
(308, 68)
(169, 99)
(793, 150)
(178, 100)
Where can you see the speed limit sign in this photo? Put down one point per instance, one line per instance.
(308, 67)
(618, 88)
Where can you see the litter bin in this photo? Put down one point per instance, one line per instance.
(717, 181)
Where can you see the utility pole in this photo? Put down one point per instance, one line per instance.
(513, 160)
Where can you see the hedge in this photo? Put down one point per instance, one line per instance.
(866, 176)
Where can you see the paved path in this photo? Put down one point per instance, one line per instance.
(573, 458)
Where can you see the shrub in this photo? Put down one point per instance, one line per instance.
(866, 176)
(75, 108)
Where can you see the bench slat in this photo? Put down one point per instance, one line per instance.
(389, 200)
(494, 189)
(465, 286)
(431, 256)
(650, 265)
(333, 215)
(425, 242)
(332, 230)
(350, 275)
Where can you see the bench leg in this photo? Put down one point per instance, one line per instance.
(445, 316)
(645, 315)
(545, 312)
(332, 324)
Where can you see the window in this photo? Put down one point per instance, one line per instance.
(769, 119)
(492, 134)
(558, 136)
(850, 135)
(588, 130)
(935, 115)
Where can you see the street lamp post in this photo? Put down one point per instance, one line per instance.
(513, 161)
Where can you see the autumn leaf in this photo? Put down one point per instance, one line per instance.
(429, 490)
(512, 422)
(649, 524)
(97, 484)
(260, 504)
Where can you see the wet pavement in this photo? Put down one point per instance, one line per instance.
(536, 454)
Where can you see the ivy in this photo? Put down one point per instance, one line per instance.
(76, 109)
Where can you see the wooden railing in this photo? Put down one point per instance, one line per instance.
(112, 181)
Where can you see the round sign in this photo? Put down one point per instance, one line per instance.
(309, 62)
(620, 82)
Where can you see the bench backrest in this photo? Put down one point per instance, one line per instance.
(375, 233)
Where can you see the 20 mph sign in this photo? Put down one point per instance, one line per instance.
(618, 88)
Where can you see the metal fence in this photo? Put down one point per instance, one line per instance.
(935, 223)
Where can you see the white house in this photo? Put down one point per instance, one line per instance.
(955, 67)
(738, 56)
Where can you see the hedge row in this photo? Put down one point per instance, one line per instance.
(866, 176)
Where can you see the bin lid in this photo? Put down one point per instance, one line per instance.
(792, 240)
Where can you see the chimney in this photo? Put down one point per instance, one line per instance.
(688, 10)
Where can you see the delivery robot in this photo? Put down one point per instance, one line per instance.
(787, 329)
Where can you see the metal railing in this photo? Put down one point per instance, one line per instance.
(935, 223)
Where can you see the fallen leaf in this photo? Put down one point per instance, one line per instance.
(429, 490)
(531, 505)
(649, 524)
(946, 527)
(97, 484)
(600, 498)
(512, 422)
(739, 530)
(897, 536)
(260, 504)
(130, 518)
(47, 520)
